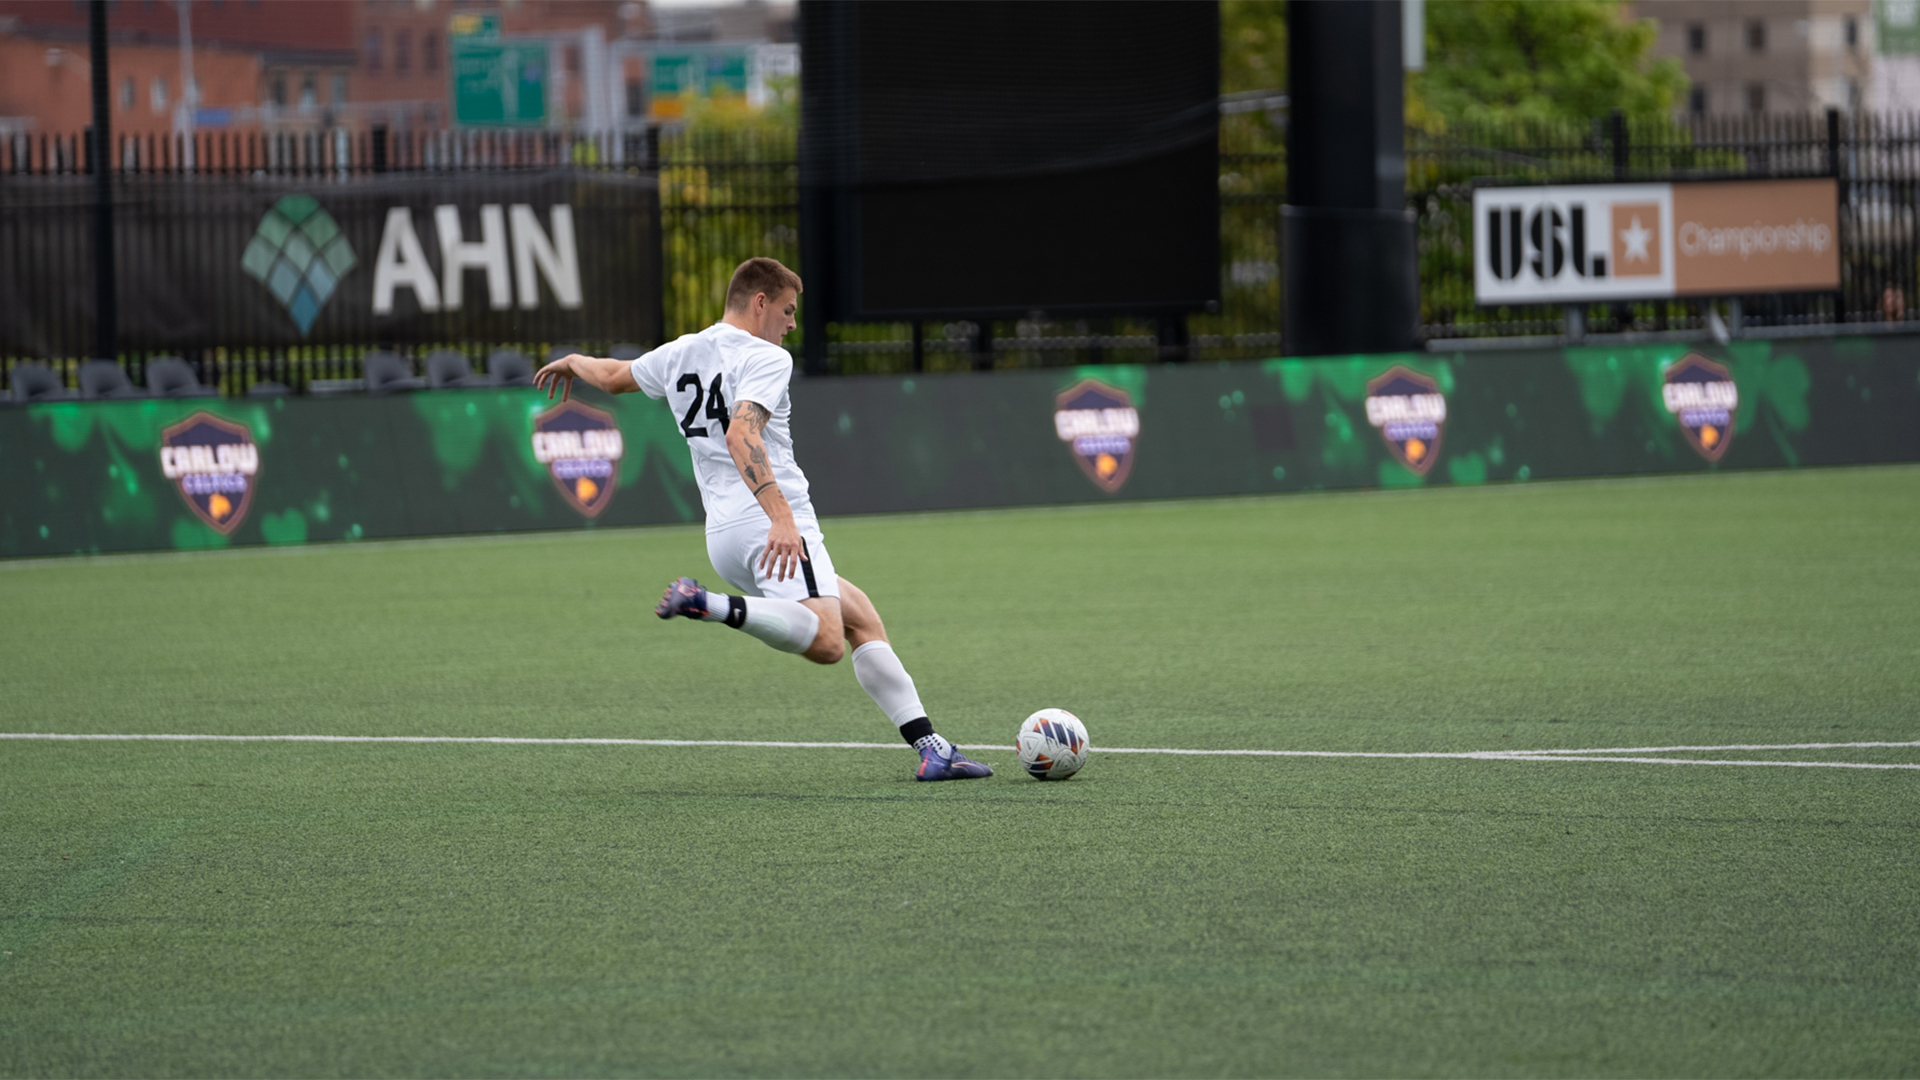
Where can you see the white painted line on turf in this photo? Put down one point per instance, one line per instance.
(1737, 746)
(1712, 761)
(501, 739)
(1469, 755)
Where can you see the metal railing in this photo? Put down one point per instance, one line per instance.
(728, 195)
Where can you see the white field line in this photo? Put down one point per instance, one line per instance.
(1713, 761)
(1472, 755)
(1745, 746)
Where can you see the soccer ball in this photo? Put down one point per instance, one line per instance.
(1053, 744)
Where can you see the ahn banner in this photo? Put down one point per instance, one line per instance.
(542, 255)
(1600, 242)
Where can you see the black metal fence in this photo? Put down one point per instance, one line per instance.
(726, 195)
(1875, 157)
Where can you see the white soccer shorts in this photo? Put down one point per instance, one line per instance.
(736, 552)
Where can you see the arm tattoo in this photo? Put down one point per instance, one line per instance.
(753, 414)
(761, 488)
(757, 453)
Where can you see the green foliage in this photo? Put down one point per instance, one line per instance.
(729, 190)
(1253, 56)
(1253, 45)
(1500, 61)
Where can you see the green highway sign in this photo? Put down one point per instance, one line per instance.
(496, 83)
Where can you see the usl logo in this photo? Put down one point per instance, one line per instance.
(1591, 242)
(1703, 397)
(213, 463)
(1411, 413)
(1565, 243)
(1101, 426)
(581, 448)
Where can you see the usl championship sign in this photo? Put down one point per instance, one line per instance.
(1595, 242)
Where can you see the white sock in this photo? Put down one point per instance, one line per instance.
(787, 625)
(886, 681)
(936, 741)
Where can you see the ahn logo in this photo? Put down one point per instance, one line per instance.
(213, 463)
(1101, 425)
(581, 448)
(1703, 397)
(300, 254)
(1411, 413)
(1595, 242)
(514, 249)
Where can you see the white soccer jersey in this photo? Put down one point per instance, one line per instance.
(703, 376)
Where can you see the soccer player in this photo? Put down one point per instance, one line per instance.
(728, 386)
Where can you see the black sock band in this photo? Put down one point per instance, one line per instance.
(736, 611)
(915, 730)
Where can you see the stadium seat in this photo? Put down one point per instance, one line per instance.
(509, 367)
(107, 379)
(626, 351)
(172, 377)
(387, 373)
(448, 369)
(37, 382)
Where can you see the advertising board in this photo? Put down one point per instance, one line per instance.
(547, 255)
(1598, 242)
(128, 475)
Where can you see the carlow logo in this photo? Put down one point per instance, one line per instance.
(1411, 413)
(581, 447)
(1101, 425)
(300, 255)
(1702, 394)
(213, 462)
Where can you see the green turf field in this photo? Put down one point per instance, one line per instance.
(260, 908)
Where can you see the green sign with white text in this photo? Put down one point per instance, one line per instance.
(496, 82)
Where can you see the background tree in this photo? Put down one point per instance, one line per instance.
(1568, 61)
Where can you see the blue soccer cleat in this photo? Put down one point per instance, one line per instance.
(954, 766)
(684, 598)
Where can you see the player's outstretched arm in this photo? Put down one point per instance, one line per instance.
(749, 450)
(613, 376)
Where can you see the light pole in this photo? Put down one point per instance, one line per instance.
(105, 299)
(184, 113)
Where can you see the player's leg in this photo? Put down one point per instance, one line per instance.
(886, 681)
(797, 615)
(829, 641)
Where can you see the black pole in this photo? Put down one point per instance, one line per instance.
(1622, 161)
(1833, 142)
(1840, 190)
(1172, 330)
(106, 300)
(1347, 237)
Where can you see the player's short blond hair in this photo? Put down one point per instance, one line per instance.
(759, 275)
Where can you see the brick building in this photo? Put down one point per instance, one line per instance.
(1767, 56)
(277, 65)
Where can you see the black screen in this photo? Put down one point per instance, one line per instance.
(999, 158)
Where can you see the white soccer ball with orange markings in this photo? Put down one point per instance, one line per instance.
(1053, 744)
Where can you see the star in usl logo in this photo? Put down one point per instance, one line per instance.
(1636, 238)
